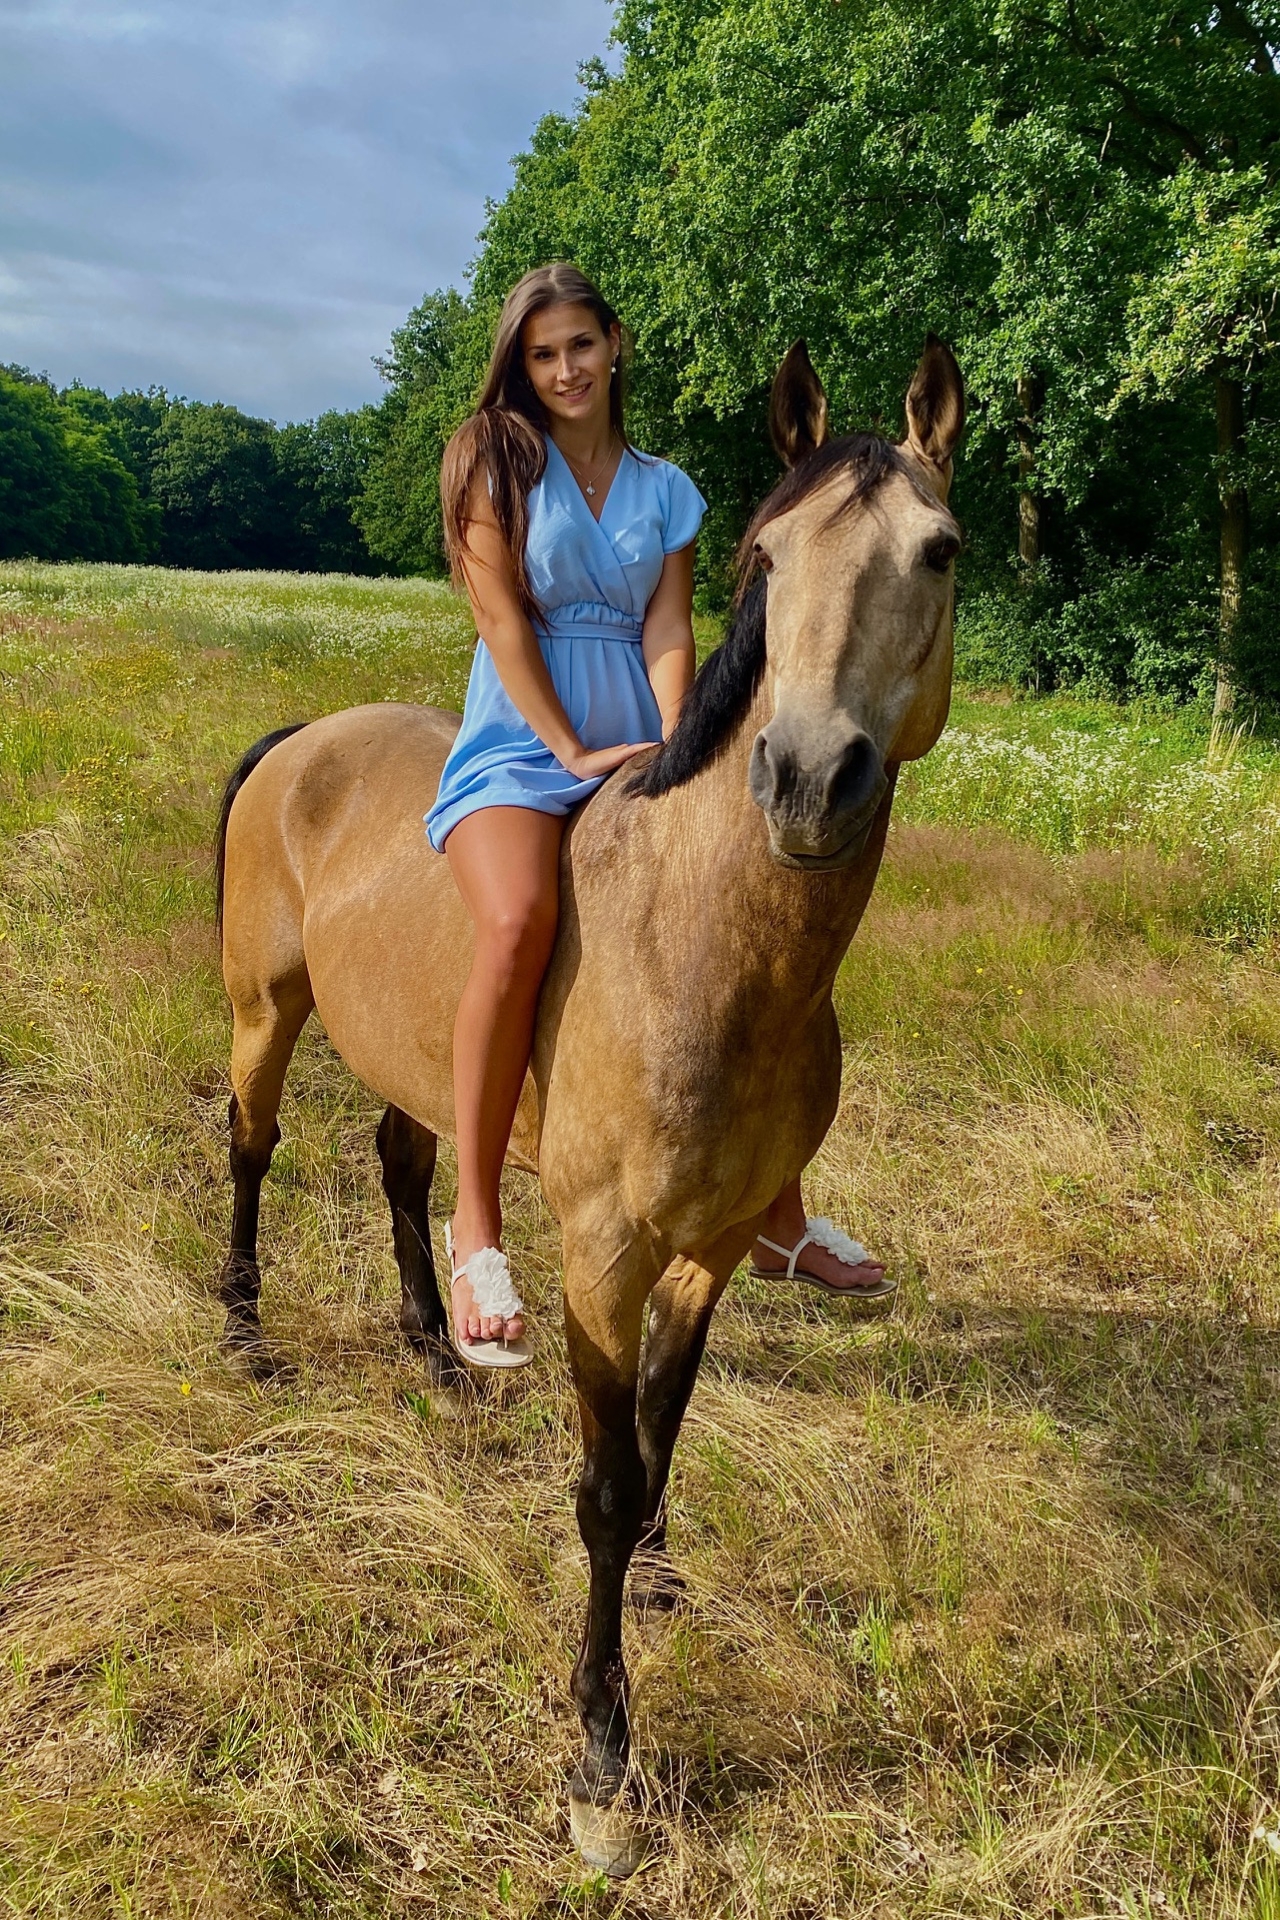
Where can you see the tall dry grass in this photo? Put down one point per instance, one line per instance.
(982, 1598)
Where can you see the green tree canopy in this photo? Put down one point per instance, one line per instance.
(63, 493)
(1078, 194)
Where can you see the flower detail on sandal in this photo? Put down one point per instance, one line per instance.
(826, 1234)
(489, 1272)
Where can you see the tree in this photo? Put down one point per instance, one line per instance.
(63, 494)
(216, 480)
(323, 466)
(433, 370)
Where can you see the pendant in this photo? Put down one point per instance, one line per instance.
(591, 493)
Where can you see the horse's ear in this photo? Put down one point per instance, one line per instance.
(797, 407)
(935, 405)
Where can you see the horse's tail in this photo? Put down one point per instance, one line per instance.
(258, 751)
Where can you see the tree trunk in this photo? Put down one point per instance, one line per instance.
(1029, 508)
(1233, 531)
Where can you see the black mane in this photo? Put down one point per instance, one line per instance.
(717, 702)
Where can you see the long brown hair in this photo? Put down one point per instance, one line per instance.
(504, 436)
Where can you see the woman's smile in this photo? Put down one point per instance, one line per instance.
(569, 359)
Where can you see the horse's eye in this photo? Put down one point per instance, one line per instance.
(762, 559)
(940, 552)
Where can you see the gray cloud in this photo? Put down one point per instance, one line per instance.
(240, 201)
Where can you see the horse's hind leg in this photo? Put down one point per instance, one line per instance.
(267, 1026)
(407, 1151)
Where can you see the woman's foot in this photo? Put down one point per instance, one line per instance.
(785, 1224)
(480, 1268)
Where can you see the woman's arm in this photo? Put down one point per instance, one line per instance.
(513, 645)
(669, 657)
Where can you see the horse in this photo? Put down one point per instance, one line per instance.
(686, 1060)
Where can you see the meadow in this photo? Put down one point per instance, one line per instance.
(984, 1597)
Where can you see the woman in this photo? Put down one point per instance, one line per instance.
(577, 556)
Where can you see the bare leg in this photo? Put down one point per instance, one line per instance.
(784, 1223)
(506, 862)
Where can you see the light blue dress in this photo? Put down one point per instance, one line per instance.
(594, 579)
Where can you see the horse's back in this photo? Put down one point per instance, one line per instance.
(328, 866)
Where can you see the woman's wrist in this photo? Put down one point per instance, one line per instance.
(569, 752)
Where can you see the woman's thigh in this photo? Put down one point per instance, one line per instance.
(506, 864)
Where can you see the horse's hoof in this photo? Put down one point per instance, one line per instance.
(445, 1371)
(653, 1585)
(246, 1347)
(608, 1839)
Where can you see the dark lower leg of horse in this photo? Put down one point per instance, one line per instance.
(672, 1355)
(610, 1510)
(680, 1310)
(407, 1151)
(240, 1283)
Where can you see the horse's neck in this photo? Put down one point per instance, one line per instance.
(713, 844)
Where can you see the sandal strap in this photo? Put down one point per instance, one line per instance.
(789, 1254)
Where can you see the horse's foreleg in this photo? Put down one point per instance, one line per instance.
(265, 1035)
(407, 1151)
(680, 1313)
(603, 1316)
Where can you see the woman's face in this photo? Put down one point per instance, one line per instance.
(569, 361)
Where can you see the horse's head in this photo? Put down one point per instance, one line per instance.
(857, 545)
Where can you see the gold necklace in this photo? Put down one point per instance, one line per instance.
(589, 488)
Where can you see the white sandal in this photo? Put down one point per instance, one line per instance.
(493, 1292)
(824, 1233)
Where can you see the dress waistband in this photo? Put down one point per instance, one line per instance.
(587, 622)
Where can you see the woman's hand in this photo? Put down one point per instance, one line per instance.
(593, 764)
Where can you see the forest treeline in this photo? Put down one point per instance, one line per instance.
(141, 476)
(1081, 195)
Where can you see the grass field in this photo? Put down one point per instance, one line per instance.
(984, 1598)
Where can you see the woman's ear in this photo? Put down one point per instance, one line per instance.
(797, 407)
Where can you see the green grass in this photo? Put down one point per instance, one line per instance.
(982, 1597)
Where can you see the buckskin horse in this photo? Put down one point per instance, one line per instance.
(686, 1062)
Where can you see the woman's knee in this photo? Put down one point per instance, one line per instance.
(517, 936)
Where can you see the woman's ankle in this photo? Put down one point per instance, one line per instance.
(472, 1228)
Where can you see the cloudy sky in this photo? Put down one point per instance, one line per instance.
(239, 200)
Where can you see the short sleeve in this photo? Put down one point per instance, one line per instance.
(685, 507)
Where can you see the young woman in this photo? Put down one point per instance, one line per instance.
(576, 552)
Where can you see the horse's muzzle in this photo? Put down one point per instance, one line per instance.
(819, 806)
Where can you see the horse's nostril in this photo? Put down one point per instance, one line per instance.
(854, 777)
(773, 771)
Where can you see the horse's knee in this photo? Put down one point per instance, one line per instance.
(253, 1141)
